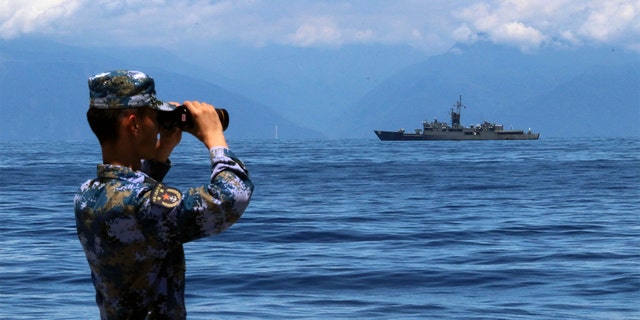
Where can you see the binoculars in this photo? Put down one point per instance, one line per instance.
(182, 118)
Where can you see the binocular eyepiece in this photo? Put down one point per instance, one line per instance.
(182, 118)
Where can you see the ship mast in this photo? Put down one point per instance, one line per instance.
(455, 115)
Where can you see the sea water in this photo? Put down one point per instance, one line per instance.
(360, 229)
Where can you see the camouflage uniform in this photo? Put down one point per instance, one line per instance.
(132, 228)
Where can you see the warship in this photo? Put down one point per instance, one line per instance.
(436, 130)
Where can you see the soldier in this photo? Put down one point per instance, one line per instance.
(131, 225)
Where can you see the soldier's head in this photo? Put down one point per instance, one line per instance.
(117, 94)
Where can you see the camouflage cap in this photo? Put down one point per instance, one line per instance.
(122, 89)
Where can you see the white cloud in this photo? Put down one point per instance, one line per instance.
(433, 25)
(33, 16)
(531, 24)
(526, 37)
(321, 31)
(612, 20)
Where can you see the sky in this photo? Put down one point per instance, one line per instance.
(429, 25)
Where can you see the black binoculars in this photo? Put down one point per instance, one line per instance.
(182, 118)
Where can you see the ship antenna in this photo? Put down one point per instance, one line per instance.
(460, 105)
(455, 115)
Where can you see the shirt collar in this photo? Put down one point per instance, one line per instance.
(110, 171)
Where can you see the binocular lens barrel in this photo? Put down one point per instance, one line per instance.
(224, 118)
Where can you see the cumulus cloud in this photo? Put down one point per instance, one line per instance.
(35, 16)
(432, 25)
(531, 24)
(317, 32)
(610, 20)
(526, 37)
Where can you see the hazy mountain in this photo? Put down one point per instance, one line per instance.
(306, 85)
(44, 94)
(338, 92)
(588, 92)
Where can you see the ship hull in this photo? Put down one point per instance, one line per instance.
(456, 135)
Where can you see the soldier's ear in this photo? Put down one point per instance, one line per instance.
(131, 123)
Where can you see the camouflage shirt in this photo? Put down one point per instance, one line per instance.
(132, 228)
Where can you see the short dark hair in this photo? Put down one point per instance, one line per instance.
(104, 122)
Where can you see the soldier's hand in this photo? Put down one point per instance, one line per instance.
(169, 139)
(207, 128)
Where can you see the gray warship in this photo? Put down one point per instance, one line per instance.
(436, 130)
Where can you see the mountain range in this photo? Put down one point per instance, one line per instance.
(560, 93)
(334, 93)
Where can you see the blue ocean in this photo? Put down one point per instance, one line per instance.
(360, 229)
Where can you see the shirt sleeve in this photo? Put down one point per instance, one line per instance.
(212, 208)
